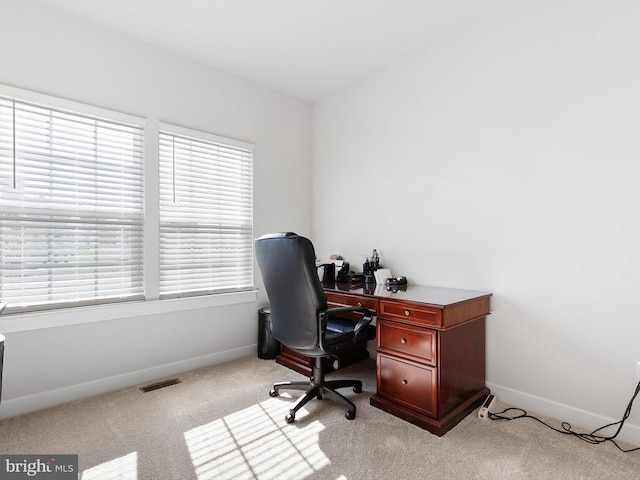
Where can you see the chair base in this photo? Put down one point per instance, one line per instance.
(318, 388)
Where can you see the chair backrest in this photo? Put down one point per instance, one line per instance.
(287, 264)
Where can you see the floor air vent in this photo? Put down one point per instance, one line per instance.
(158, 385)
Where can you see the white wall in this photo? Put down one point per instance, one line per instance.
(507, 161)
(53, 53)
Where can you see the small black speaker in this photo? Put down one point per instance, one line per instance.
(268, 347)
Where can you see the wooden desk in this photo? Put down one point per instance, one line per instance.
(430, 351)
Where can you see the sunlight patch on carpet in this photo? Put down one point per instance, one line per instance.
(256, 443)
(121, 468)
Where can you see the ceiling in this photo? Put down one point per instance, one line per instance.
(304, 48)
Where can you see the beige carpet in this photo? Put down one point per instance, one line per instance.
(220, 423)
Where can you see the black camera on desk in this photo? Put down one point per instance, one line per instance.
(396, 284)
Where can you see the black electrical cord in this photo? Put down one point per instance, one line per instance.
(592, 438)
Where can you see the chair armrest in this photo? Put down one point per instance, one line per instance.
(366, 320)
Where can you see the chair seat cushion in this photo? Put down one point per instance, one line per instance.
(340, 325)
(340, 330)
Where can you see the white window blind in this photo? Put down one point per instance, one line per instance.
(71, 207)
(206, 213)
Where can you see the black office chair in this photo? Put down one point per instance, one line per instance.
(301, 319)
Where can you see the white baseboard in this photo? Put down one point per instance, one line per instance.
(580, 420)
(37, 401)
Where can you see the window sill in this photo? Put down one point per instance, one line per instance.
(73, 316)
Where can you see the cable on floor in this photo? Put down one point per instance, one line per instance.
(592, 438)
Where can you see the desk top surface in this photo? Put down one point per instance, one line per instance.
(437, 296)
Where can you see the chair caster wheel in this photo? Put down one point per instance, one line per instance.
(357, 389)
(350, 415)
(273, 392)
(290, 418)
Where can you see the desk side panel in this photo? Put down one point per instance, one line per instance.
(464, 311)
(461, 363)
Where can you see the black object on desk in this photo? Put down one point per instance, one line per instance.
(396, 281)
(327, 272)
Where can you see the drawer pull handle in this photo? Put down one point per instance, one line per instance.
(403, 340)
(404, 382)
(407, 313)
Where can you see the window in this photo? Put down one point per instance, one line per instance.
(72, 209)
(206, 213)
(71, 206)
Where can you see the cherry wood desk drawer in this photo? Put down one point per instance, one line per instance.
(353, 301)
(408, 341)
(411, 313)
(408, 384)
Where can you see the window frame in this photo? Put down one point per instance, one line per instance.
(205, 138)
(11, 322)
(110, 119)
